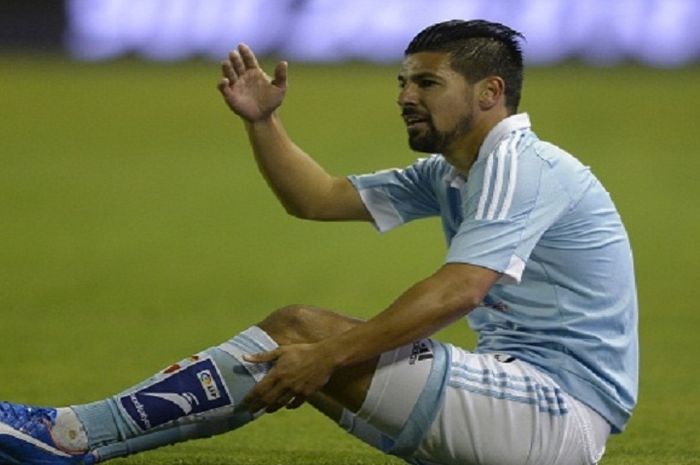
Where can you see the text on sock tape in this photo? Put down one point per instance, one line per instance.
(196, 389)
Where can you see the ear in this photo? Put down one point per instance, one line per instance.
(491, 91)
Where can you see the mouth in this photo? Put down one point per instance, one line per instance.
(415, 121)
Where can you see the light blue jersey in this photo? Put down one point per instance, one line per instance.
(567, 300)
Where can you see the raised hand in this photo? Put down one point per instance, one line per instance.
(247, 89)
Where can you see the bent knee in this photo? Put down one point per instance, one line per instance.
(296, 324)
(290, 324)
(293, 316)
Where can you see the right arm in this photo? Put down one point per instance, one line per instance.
(302, 186)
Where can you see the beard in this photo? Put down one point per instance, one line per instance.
(431, 140)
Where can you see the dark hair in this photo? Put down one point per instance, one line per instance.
(477, 49)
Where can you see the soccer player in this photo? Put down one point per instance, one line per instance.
(538, 261)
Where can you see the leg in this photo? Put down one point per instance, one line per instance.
(345, 392)
(495, 410)
(197, 397)
(298, 324)
(502, 411)
(373, 400)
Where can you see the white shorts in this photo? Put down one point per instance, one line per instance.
(434, 403)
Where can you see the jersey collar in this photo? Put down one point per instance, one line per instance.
(503, 130)
(498, 132)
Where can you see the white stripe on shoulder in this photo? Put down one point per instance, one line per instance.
(8, 431)
(498, 186)
(513, 178)
(485, 187)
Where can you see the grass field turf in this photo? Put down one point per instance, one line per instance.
(135, 230)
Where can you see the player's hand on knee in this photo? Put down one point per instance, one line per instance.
(247, 89)
(299, 370)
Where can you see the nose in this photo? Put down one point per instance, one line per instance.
(408, 95)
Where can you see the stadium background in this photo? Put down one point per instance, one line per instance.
(135, 229)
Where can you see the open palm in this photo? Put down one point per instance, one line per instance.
(247, 89)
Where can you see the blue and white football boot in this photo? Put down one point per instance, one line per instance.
(27, 438)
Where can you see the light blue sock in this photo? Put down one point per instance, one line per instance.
(197, 397)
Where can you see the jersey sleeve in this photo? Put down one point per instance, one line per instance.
(397, 196)
(509, 206)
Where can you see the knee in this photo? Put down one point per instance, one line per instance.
(291, 324)
(293, 316)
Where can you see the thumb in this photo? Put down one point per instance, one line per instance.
(224, 87)
(262, 357)
(281, 75)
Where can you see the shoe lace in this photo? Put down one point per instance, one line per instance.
(18, 414)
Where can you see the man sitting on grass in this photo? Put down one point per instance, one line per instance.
(538, 261)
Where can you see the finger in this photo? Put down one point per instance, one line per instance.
(228, 72)
(253, 400)
(262, 357)
(280, 402)
(296, 403)
(223, 86)
(248, 56)
(281, 74)
(269, 399)
(277, 397)
(236, 62)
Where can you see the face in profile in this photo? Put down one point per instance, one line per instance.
(436, 102)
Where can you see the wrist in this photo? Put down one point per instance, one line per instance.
(264, 121)
(336, 354)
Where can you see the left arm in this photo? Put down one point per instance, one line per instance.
(428, 306)
(425, 308)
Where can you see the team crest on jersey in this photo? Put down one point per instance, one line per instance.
(196, 388)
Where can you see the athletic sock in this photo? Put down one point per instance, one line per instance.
(197, 397)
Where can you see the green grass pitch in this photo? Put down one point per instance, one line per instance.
(135, 230)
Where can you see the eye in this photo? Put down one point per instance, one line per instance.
(425, 83)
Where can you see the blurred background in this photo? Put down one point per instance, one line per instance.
(600, 32)
(135, 228)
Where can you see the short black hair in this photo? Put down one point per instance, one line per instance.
(477, 49)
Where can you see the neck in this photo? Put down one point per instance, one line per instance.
(465, 151)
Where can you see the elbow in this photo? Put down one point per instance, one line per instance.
(295, 211)
(319, 203)
(303, 212)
